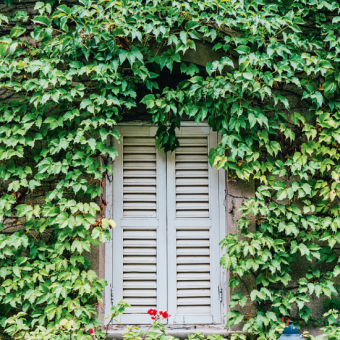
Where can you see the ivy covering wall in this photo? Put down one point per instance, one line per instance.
(70, 74)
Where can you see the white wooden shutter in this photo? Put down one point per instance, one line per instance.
(193, 230)
(139, 201)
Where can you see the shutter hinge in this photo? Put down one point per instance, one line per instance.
(112, 297)
(220, 293)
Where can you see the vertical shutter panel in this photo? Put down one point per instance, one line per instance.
(192, 177)
(139, 177)
(193, 271)
(139, 265)
(193, 230)
(140, 269)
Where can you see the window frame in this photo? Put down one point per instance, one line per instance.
(135, 128)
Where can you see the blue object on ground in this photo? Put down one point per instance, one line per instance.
(290, 333)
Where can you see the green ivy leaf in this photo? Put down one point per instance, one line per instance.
(42, 20)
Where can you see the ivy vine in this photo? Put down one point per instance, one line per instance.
(70, 74)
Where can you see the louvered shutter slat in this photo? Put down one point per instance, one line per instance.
(141, 165)
(192, 251)
(138, 292)
(193, 259)
(141, 156)
(190, 159)
(140, 259)
(137, 190)
(142, 181)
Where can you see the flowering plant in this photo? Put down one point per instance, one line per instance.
(283, 320)
(158, 315)
(157, 329)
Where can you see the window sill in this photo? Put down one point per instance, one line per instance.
(181, 333)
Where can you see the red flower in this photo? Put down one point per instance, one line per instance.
(165, 315)
(91, 331)
(288, 321)
(153, 318)
(152, 312)
(283, 319)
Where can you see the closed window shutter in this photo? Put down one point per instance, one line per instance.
(166, 242)
(193, 230)
(139, 257)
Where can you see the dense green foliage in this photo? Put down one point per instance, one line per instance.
(272, 92)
